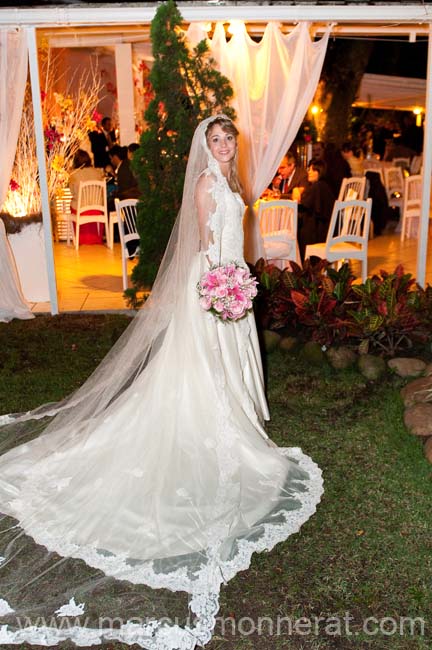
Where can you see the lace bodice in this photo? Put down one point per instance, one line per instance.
(225, 224)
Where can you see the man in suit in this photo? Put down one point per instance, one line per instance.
(102, 140)
(127, 184)
(289, 176)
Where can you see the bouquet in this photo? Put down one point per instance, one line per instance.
(227, 291)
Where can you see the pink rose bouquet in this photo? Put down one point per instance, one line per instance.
(227, 291)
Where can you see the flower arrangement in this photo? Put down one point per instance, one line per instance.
(227, 291)
(67, 120)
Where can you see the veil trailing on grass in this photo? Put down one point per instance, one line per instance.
(128, 504)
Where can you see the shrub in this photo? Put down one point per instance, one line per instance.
(389, 312)
(186, 89)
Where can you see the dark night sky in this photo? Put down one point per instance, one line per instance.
(402, 59)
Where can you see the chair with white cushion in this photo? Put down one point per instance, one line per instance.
(129, 237)
(411, 206)
(91, 207)
(278, 225)
(347, 236)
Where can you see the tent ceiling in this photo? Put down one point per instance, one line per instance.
(393, 93)
(358, 16)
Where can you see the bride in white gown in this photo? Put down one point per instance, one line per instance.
(126, 506)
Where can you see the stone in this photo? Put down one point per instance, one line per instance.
(371, 367)
(341, 358)
(288, 343)
(313, 352)
(418, 419)
(427, 449)
(417, 391)
(406, 367)
(271, 340)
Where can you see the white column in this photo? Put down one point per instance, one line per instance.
(427, 170)
(125, 92)
(40, 152)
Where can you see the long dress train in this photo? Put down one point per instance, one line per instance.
(149, 506)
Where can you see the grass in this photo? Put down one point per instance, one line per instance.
(367, 551)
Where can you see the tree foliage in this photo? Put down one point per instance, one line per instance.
(343, 68)
(187, 89)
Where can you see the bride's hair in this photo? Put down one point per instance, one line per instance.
(228, 127)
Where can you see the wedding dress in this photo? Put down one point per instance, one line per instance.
(127, 506)
(12, 302)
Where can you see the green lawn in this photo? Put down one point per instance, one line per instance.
(367, 551)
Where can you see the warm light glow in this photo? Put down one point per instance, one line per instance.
(418, 113)
(315, 109)
(235, 27)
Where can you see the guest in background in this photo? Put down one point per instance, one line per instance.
(337, 167)
(381, 211)
(127, 184)
(355, 162)
(102, 140)
(90, 233)
(289, 176)
(315, 207)
(131, 150)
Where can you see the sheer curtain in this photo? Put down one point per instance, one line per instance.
(13, 77)
(274, 82)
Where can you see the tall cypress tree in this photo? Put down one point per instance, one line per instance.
(187, 88)
(343, 68)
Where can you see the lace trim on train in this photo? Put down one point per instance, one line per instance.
(204, 587)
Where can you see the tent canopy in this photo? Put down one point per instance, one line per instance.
(393, 93)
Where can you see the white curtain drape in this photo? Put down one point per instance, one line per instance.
(13, 77)
(274, 82)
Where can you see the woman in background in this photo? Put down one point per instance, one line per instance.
(315, 207)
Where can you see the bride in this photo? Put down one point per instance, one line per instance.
(127, 505)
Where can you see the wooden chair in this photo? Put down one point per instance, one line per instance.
(278, 225)
(348, 234)
(91, 207)
(129, 237)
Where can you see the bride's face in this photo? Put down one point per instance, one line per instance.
(222, 145)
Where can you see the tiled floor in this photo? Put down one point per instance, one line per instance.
(90, 279)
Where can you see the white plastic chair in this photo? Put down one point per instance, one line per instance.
(374, 167)
(402, 162)
(411, 206)
(126, 219)
(348, 234)
(416, 165)
(92, 197)
(352, 188)
(394, 184)
(278, 225)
